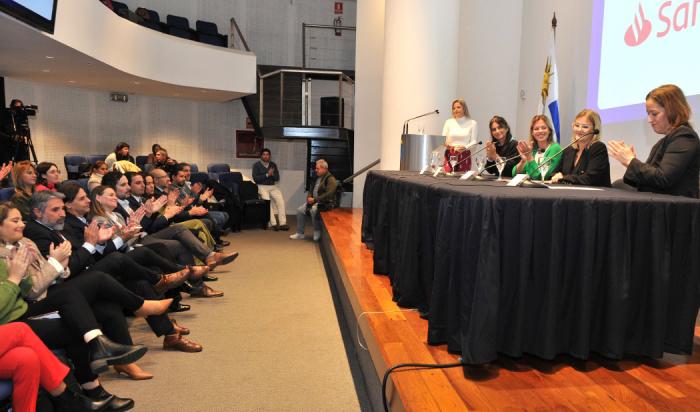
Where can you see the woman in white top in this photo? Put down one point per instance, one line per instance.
(460, 132)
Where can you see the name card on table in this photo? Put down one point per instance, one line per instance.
(437, 171)
(468, 176)
(518, 179)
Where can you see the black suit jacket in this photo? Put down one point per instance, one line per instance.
(74, 231)
(593, 168)
(673, 166)
(79, 260)
(150, 224)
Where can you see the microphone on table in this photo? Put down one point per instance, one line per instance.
(549, 159)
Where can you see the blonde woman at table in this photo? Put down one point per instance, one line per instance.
(540, 152)
(460, 132)
(586, 161)
(673, 164)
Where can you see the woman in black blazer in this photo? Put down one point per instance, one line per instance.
(586, 161)
(673, 166)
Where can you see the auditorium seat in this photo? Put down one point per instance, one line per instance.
(6, 193)
(179, 26)
(72, 163)
(141, 162)
(207, 32)
(194, 168)
(231, 180)
(5, 390)
(120, 8)
(94, 158)
(200, 177)
(256, 211)
(153, 21)
(215, 168)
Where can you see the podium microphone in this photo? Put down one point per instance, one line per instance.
(405, 123)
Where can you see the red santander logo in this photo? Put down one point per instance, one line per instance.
(637, 33)
(676, 17)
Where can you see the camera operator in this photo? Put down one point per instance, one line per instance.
(16, 137)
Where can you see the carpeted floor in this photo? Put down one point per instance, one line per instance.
(272, 343)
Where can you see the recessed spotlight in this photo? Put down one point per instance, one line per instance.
(50, 57)
(137, 82)
(46, 71)
(71, 81)
(176, 94)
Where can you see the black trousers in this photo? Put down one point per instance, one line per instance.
(123, 267)
(159, 324)
(56, 334)
(146, 256)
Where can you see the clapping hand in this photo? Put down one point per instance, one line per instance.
(136, 216)
(5, 170)
(173, 194)
(525, 151)
(61, 252)
(491, 153)
(621, 151)
(19, 262)
(171, 211)
(187, 201)
(196, 188)
(207, 194)
(198, 211)
(271, 171)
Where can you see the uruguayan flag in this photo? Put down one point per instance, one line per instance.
(549, 102)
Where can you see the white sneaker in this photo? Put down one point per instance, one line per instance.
(297, 236)
(317, 235)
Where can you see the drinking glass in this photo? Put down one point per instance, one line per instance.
(543, 167)
(480, 165)
(500, 165)
(453, 163)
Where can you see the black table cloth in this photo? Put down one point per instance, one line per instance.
(541, 271)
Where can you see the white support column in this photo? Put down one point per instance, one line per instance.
(421, 46)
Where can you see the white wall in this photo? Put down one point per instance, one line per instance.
(272, 28)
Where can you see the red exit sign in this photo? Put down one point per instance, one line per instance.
(338, 7)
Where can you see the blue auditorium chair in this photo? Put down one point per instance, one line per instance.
(141, 162)
(6, 193)
(194, 168)
(179, 26)
(120, 8)
(153, 21)
(5, 390)
(256, 211)
(215, 168)
(72, 163)
(207, 32)
(83, 182)
(94, 158)
(200, 177)
(231, 180)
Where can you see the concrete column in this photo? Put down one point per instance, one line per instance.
(421, 40)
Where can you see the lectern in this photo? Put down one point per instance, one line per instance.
(417, 149)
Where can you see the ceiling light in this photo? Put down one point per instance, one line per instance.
(46, 71)
(50, 57)
(137, 82)
(71, 81)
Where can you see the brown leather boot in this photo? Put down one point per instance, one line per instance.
(177, 342)
(197, 272)
(171, 280)
(181, 330)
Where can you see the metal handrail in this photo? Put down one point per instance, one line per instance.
(316, 26)
(316, 71)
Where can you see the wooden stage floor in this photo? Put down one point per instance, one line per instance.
(529, 383)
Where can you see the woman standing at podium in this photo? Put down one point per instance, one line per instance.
(460, 132)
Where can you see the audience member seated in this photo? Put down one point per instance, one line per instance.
(159, 159)
(501, 147)
(98, 170)
(24, 181)
(26, 360)
(87, 305)
(586, 161)
(540, 153)
(320, 198)
(673, 164)
(266, 175)
(199, 197)
(120, 153)
(48, 176)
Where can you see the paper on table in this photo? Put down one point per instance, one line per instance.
(569, 187)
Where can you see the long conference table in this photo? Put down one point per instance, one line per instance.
(540, 271)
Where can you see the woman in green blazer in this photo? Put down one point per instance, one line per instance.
(539, 150)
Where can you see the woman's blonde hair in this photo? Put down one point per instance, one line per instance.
(594, 118)
(463, 104)
(17, 172)
(536, 118)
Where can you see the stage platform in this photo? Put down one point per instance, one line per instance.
(399, 336)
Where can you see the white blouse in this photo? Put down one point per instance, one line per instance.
(460, 132)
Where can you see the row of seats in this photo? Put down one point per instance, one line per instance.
(73, 162)
(206, 32)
